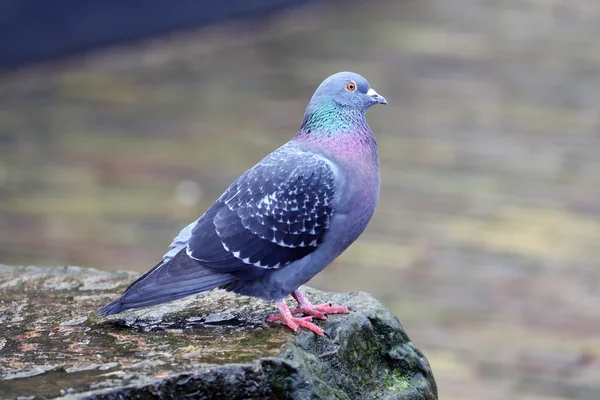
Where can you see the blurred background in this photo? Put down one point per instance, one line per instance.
(486, 240)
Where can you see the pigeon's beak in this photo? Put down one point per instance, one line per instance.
(377, 98)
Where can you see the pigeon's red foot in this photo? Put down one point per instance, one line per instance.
(319, 311)
(294, 323)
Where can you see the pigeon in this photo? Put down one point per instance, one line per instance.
(285, 219)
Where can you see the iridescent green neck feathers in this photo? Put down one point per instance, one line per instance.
(326, 118)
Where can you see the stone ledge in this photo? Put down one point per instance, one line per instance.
(214, 345)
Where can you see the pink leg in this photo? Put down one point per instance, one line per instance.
(319, 311)
(294, 323)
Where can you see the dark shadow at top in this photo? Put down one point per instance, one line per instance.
(37, 30)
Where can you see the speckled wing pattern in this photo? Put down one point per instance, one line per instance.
(274, 214)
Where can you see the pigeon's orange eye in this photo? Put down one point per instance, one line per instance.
(351, 86)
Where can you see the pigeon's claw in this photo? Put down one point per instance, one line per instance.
(327, 308)
(319, 311)
(294, 323)
(303, 323)
(277, 318)
(313, 312)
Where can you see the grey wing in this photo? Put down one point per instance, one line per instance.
(276, 213)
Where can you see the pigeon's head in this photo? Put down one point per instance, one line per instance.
(348, 89)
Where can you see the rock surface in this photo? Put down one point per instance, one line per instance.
(214, 345)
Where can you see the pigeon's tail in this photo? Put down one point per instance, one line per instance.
(170, 280)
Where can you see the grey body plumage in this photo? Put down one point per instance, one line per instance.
(285, 219)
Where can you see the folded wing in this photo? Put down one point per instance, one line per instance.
(276, 213)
